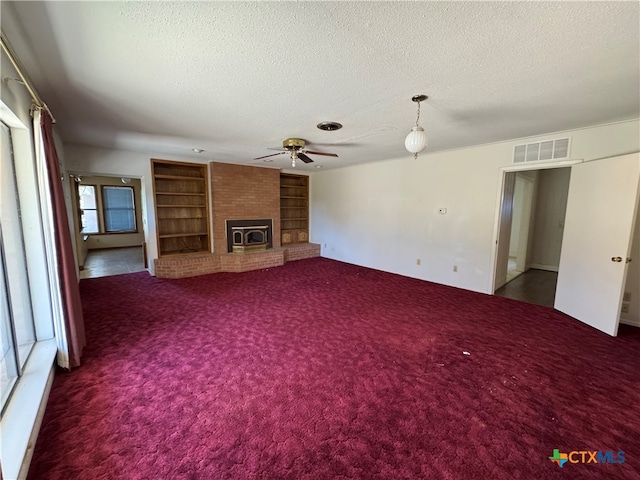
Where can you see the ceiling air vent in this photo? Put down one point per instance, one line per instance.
(547, 150)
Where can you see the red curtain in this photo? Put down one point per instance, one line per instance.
(72, 307)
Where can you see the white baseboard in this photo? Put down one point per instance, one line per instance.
(540, 266)
(634, 322)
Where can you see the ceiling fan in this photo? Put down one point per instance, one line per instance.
(295, 148)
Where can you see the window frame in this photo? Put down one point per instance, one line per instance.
(81, 210)
(101, 209)
(23, 319)
(19, 420)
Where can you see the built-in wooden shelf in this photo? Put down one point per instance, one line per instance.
(178, 177)
(294, 208)
(182, 227)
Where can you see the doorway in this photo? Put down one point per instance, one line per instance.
(530, 234)
(108, 213)
(596, 245)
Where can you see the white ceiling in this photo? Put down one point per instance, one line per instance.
(235, 78)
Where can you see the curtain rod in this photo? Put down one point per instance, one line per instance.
(13, 58)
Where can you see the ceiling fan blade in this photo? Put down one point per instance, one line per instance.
(304, 158)
(279, 148)
(321, 153)
(267, 156)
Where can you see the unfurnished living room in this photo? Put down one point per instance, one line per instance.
(320, 240)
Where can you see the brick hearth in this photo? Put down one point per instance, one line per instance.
(193, 265)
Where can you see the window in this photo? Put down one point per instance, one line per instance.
(88, 208)
(112, 212)
(17, 329)
(8, 365)
(119, 210)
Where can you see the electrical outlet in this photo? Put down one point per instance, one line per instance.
(626, 297)
(418, 262)
(625, 308)
(455, 268)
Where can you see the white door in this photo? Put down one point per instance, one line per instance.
(504, 230)
(603, 196)
(524, 208)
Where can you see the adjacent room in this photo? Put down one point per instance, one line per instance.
(107, 223)
(320, 240)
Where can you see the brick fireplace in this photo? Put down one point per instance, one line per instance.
(243, 193)
(245, 211)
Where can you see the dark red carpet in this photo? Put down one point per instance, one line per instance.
(324, 370)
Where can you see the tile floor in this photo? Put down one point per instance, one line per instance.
(114, 261)
(533, 286)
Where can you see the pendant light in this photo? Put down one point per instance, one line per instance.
(417, 139)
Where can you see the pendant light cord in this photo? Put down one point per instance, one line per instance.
(415, 155)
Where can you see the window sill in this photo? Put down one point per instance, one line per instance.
(21, 421)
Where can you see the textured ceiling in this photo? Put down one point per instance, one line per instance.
(235, 78)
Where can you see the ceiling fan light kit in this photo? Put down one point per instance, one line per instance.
(293, 143)
(295, 147)
(416, 141)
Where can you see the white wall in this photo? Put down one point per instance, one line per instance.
(551, 205)
(85, 160)
(384, 215)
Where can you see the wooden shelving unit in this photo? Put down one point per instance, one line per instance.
(294, 208)
(181, 207)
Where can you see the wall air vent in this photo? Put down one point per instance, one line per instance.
(557, 149)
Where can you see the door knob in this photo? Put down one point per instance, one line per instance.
(616, 259)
